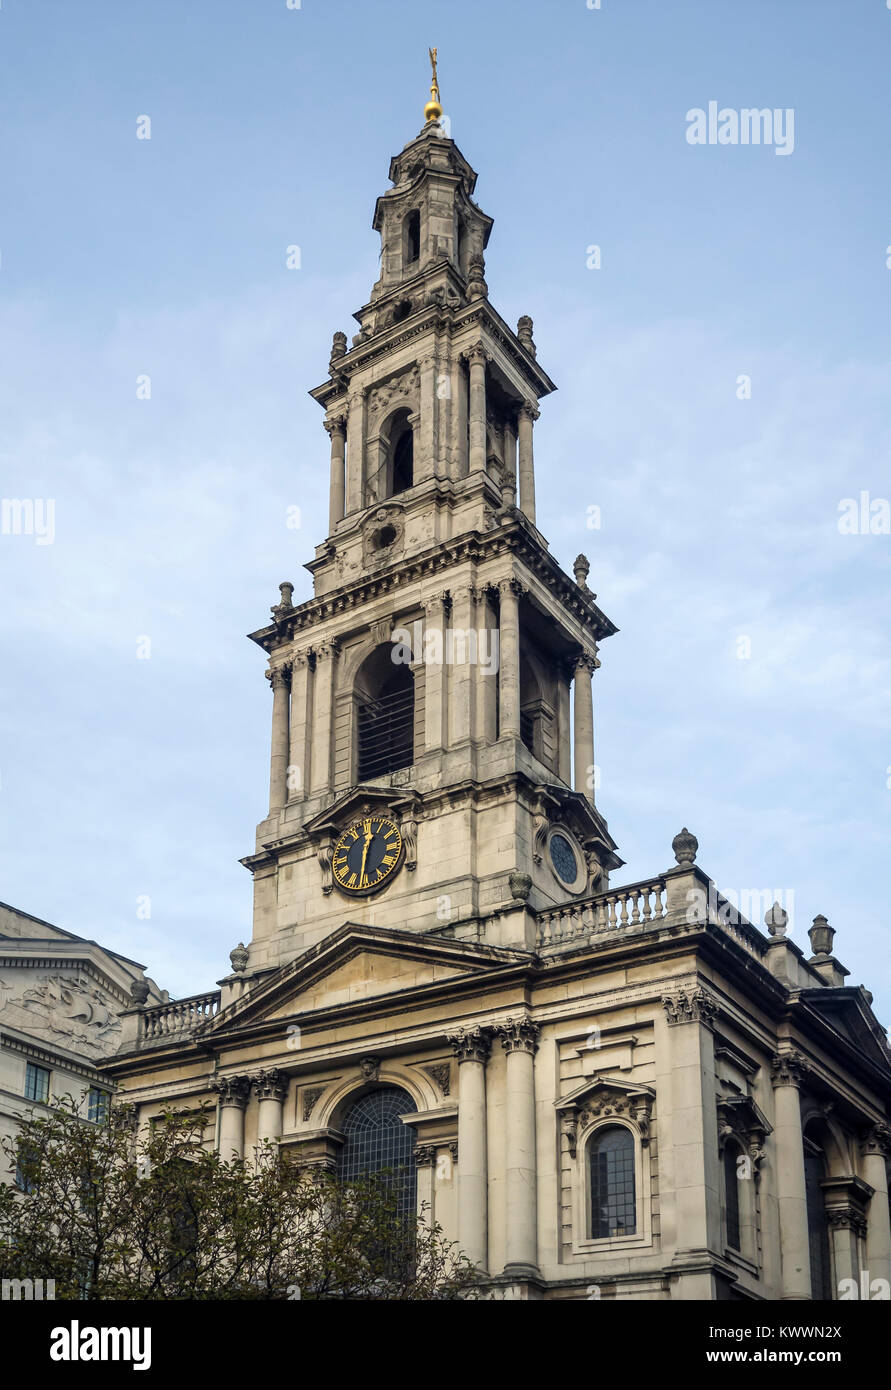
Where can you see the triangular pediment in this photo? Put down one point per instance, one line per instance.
(359, 801)
(356, 964)
(847, 1011)
(603, 1088)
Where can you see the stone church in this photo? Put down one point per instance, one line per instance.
(599, 1091)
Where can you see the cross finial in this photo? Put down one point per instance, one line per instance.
(433, 109)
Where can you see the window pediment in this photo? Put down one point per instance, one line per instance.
(603, 1098)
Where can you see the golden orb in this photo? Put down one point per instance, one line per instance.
(432, 111)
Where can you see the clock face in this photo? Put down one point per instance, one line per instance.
(367, 855)
(563, 859)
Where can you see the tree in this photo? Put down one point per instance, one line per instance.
(110, 1213)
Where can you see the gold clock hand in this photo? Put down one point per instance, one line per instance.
(368, 838)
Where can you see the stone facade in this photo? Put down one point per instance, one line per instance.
(60, 1004)
(624, 1092)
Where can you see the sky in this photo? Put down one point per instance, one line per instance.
(723, 389)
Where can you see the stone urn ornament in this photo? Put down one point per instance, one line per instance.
(239, 958)
(684, 845)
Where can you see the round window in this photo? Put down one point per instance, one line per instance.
(563, 858)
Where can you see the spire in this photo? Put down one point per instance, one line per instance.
(433, 109)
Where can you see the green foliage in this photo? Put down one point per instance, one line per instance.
(111, 1213)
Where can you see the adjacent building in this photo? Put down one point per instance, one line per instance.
(60, 1004)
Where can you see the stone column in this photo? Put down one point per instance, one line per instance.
(425, 1164)
(509, 659)
(463, 666)
(279, 679)
(488, 646)
(694, 1185)
(301, 726)
(435, 690)
(477, 359)
(271, 1088)
(583, 725)
(323, 716)
(426, 437)
(565, 673)
(336, 428)
(846, 1229)
(519, 1038)
(233, 1092)
(355, 463)
(461, 408)
(509, 491)
(875, 1146)
(787, 1073)
(471, 1047)
(528, 413)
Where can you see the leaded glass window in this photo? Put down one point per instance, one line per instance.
(817, 1225)
(611, 1166)
(731, 1198)
(376, 1140)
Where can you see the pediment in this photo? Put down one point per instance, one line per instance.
(604, 1089)
(601, 1098)
(847, 1011)
(359, 963)
(360, 801)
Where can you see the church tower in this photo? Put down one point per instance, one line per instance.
(626, 1092)
(432, 758)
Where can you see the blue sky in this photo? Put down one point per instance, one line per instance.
(122, 777)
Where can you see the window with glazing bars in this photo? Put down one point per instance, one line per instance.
(375, 1139)
(731, 1197)
(37, 1083)
(611, 1163)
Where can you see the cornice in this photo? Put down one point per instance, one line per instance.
(478, 546)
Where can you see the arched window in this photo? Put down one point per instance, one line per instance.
(611, 1169)
(817, 1223)
(732, 1224)
(376, 1141)
(412, 242)
(403, 461)
(385, 715)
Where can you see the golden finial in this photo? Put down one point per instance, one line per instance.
(433, 109)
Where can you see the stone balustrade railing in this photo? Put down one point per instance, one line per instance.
(744, 933)
(637, 906)
(179, 1016)
(633, 906)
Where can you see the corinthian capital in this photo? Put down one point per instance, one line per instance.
(477, 355)
(518, 1034)
(876, 1140)
(689, 1006)
(279, 676)
(270, 1084)
(471, 1044)
(232, 1090)
(788, 1069)
(530, 410)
